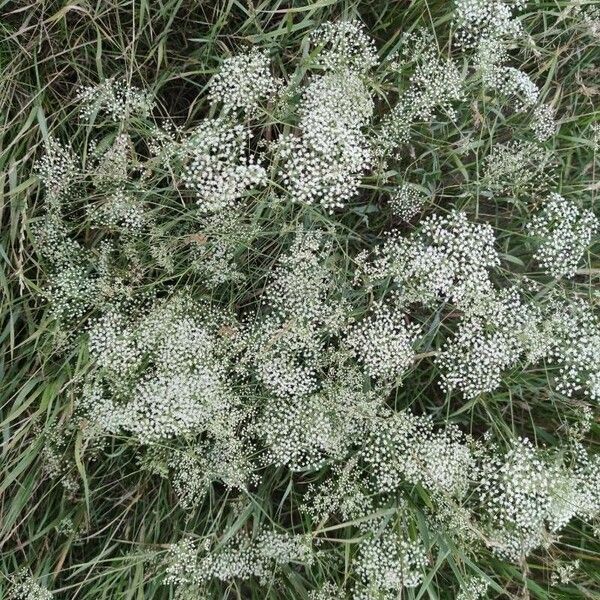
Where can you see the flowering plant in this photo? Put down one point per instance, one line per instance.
(340, 323)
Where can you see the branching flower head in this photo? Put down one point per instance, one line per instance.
(481, 20)
(324, 165)
(384, 343)
(512, 84)
(243, 82)
(241, 557)
(544, 123)
(407, 201)
(162, 374)
(58, 171)
(572, 330)
(26, 587)
(218, 169)
(387, 563)
(565, 231)
(435, 85)
(516, 168)
(488, 341)
(116, 98)
(447, 258)
(345, 45)
(519, 493)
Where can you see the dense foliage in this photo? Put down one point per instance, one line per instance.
(300, 300)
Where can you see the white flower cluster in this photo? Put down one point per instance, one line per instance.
(544, 123)
(513, 84)
(573, 343)
(286, 346)
(564, 572)
(60, 250)
(58, 170)
(565, 232)
(405, 448)
(515, 168)
(243, 82)
(384, 343)
(116, 98)
(465, 252)
(516, 501)
(121, 212)
(435, 84)
(342, 493)
(328, 591)
(481, 20)
(325, 163)
(218, 169)
(113, 164)
(303, 282)
(590, 17)
(407, 201)
(286, 356)
(80, 279)
(387, 563)
(344, 45)
(71, 288)
(71, 292)
(446, 259)
(192, 470)
(486, 25)
(164, 372)
(108, 170)
(490, 52)
(595, 136)
(474, 588)
(502, 330)
(304, 433)
(26, 587)
(240, 557)
(214, 248)
(486, 343)
(525, 499)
